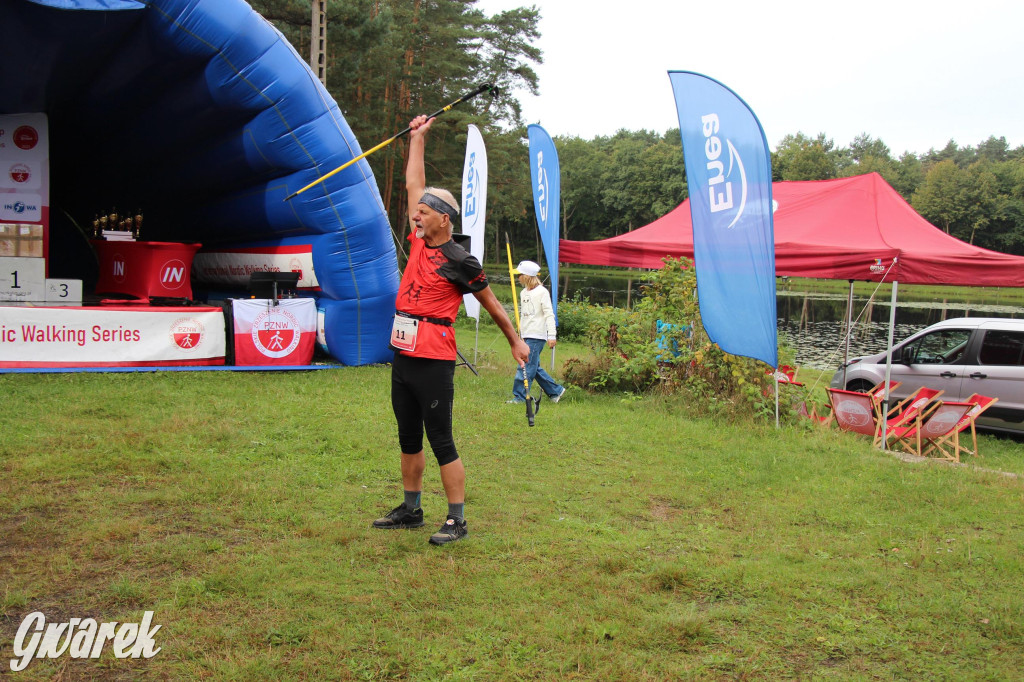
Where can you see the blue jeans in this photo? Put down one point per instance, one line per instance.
(533, 369)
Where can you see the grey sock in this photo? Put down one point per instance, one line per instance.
(457, 510)
(412, 499)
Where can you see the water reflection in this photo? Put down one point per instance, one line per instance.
(812, 324)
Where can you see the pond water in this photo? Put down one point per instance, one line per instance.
(813, 323)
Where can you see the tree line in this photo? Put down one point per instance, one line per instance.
(389, 60)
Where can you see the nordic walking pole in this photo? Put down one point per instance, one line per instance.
(515, 306)
(512, 281)
(468, 96)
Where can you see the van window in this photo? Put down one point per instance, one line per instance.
(1002, 348)
(941, 347)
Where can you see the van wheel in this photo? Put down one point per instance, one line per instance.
(860, 386)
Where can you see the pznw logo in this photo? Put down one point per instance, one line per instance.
(721, 196)
(472, 183)
(276, 333)
(20, 173)
(187, 333)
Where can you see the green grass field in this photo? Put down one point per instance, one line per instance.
(619, 539)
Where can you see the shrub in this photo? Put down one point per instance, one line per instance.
(661, 346)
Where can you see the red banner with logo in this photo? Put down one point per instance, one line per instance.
(268, 334)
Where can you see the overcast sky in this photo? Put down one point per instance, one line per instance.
(914, 74)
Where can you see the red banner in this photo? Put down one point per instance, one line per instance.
(268, 334)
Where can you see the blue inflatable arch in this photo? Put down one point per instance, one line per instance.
(201, 114)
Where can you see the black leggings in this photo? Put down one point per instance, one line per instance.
(422, 392)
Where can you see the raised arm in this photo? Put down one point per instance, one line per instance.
(415, 168)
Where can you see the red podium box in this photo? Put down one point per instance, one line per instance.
(145, 269)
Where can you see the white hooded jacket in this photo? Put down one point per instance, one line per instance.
(536, 316)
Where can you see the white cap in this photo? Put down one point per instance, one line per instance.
(527, 267)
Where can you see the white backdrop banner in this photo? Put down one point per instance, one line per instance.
(474, 204)
(111, 337)
(232, 267)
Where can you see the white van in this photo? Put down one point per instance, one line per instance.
(960, 356)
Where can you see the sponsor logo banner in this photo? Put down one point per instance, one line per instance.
(21, 208)
(728, 172)
(546, 177)
(24, 156)
(474, 204)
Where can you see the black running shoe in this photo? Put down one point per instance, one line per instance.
(451, 530)
(401, 517)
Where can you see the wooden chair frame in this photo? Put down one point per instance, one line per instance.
(861, 413)
(939, 422)
(948, 445)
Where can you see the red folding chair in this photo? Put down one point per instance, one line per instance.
(937, 422)
(947, 444)
(854, 411)
(858, 412)
(906, 411)
(812, 412)
(878, 390)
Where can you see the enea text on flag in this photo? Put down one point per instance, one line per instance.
(542, 187)
(472, 182)
(722, 199)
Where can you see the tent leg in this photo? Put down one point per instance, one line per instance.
(849, 330)
(888, 367)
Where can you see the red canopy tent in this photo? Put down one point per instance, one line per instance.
(851, 228)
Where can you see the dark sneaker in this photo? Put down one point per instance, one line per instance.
(451, 530)
(401, 517)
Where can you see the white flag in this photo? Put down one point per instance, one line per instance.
(474, 203)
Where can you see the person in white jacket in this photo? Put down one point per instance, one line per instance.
(537, 327)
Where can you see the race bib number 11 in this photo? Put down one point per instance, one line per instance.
(403, 333)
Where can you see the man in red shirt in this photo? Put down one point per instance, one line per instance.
(437, 275)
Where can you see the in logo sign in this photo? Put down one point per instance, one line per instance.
(172, 274)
